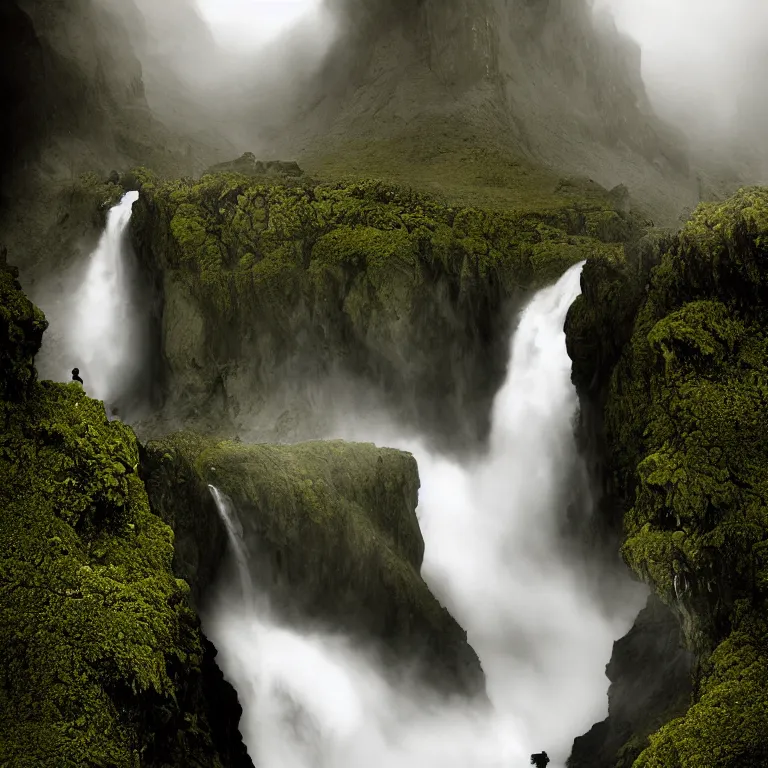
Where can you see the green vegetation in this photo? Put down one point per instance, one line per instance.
(728, 726)
(455, 166)
(22, 326)
(381, 282)
(337, 523)
(686, 415)
(374, 245)
(101, 652)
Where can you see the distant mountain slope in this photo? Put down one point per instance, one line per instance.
(536, 79)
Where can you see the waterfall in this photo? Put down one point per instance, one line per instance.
(495, 559)
(103, 320)
(237, 542)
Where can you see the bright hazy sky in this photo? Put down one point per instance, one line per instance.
(251, 22)
(695, 52)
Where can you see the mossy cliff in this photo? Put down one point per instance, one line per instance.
(333, 536)
(103, 660)
(263, 282)
(651, 682)
(679, 394)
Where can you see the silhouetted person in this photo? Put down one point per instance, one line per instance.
(76, 375)
(540, 760)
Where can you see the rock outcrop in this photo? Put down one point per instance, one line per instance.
(332, 535)
(651, 678)
(264, 285)
(678, 398)
(103, 659)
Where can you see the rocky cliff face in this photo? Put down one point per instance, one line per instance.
(333, 536)
(678, 396)
(73, 102)
(76, 98)
(651, 676)
(266, 287)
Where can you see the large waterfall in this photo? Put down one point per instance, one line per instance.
(493, 556)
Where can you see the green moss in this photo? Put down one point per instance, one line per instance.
(337, 523)
(450, 162)
(686, 414)
(728, 726)
(21, 333)
(101, 652)
(241, 242)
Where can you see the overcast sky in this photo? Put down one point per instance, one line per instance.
(247, 23)
(699, 56)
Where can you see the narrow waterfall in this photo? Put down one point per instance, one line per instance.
(99, 317)
(103, 321)
(237, 542)
(494, 558)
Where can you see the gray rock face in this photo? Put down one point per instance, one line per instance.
(543, 78)
(651, 682)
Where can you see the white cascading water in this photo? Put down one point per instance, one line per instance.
(492, 557)
(102, 318)
(237, 542)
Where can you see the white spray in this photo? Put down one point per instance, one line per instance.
(103, 318)
(237, 542)
(492, 557)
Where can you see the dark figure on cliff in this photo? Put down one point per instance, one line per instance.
(540, 759)
(76, 375)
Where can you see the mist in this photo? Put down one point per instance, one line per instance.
(536, 611)
(704, 64)
(227, 72)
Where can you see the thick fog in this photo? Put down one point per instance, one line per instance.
(705, 65)
(234, 70)
(227, 71)
(250, 24)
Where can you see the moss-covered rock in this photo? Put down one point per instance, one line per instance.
(685, 410)
(248, 165)
(334, 537)
(103, 663)
(22, 326)
(378, 280)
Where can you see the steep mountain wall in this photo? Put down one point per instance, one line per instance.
(542, 79)
(104, 662)
(674, 396)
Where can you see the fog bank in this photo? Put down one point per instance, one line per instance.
(705, 64)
